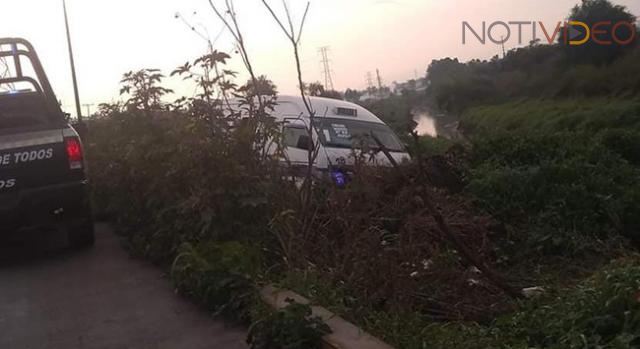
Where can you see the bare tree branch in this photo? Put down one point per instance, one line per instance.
(277, 19)
(234, 29)
(313, 152)
(304, 19)
(289, 19)
(223, 19)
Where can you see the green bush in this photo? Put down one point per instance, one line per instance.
(293, 327)
(168, 181)
(547, 116)
(625, 143)
(564, 170)
(426, 146)
(562, 180)
(220, 276)
(602, 312)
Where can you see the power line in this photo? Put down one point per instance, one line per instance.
(326, 66)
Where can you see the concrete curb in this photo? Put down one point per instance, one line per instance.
(345, 334)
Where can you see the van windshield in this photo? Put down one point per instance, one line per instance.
(344, 133)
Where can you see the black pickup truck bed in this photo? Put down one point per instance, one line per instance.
(43, 186)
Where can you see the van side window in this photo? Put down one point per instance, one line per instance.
(292, 135)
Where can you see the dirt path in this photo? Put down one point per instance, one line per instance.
(100, 298)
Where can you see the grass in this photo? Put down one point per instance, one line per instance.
(430, 146)
(569, 167)
(547, 116)
(602, 311)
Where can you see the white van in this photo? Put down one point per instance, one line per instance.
(339, 125)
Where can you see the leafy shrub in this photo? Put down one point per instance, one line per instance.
(625, 143)
(426, 146)
(602, 312)
(168, 181)
(220, 276)
(187, 172)
(578, 180)
(292, 327)
(562, 169)
(548, 116)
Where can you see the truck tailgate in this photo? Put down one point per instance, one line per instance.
(31, 160)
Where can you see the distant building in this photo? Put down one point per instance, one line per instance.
(414, 85)
(375, 94)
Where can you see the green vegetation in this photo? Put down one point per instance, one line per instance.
(590, 116)
(545, 193)
(553, 157)
(220, 276)
(192, 188)
(396, 111)
(568, 168)
(544, 71)
(531, 72)
(602, 311)
(292, 327)
(596, 11)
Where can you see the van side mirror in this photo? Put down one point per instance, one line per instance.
(304, 142)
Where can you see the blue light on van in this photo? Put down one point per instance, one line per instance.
(339, 178)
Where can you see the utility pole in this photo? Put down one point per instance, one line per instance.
(504, 53)
(73, 64)
(88, 106)
(326, 65)
(379, 82)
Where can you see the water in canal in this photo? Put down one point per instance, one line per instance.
(436, 125)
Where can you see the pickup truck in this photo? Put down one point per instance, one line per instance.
(43, 184)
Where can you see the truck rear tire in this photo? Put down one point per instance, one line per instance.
(82, 236)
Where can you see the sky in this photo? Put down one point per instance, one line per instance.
(398, 37)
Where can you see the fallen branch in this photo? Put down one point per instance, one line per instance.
(445, 229)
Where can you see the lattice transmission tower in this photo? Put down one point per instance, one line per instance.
(326, 69)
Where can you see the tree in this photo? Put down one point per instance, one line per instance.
(352, 95)
(333, 94)
(143, 88)
(261, 87)
(316, 89)
(592, 12)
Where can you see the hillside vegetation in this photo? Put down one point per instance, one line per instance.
(543, 196)
(553, 140)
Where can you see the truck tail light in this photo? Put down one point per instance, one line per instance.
(74, 153)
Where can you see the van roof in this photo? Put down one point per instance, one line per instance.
(293, 106)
